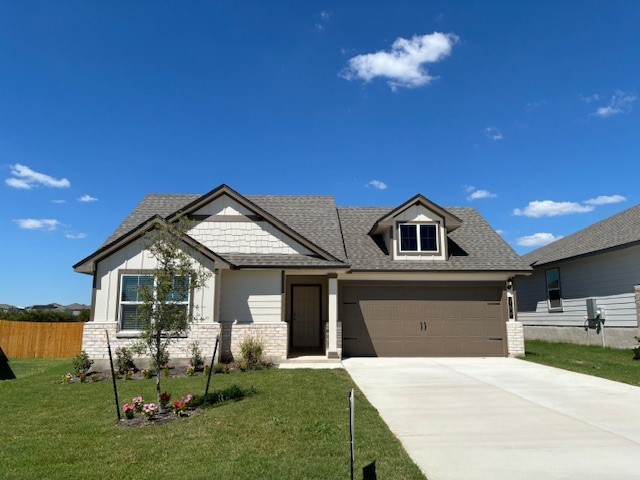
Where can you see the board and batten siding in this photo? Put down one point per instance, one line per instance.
(230, 228)
(134, 257)
(251, 296)
(608, 277)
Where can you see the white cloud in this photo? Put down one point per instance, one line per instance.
(37, 223)
(58, 201)
(403, 65)
(76, 236)
(620, 102)
(549, 208)
(501, 232)
(87, 198)
(605, 200)
(493, 133)
(590, 98)
(480, 194)
(25, 178)
(324, 15)
(377, 184)
(537, 239)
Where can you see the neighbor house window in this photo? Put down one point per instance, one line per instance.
(416, 237)
(553, 290)
(131, 300)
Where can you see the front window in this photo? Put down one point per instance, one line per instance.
(418, 237)
(553, 290)
(131, 298)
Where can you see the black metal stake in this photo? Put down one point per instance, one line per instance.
(352, 430)
(113, 376)
(213, 359)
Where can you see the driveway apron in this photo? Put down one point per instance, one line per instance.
(504, 418)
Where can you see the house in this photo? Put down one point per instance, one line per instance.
(600, 262)
(306, 276)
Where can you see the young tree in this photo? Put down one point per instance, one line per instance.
(165, 314)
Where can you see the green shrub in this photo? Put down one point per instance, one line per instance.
(197, 361)
(164, 360)
(44, 316)
(251, 349)
(124, 360)
(81, 364)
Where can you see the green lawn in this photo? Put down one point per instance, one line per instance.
(612, 363)
(294, 426)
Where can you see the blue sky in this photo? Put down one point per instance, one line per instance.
(526, 111)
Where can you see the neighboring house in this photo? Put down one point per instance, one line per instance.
(601, 262)
(305, 276)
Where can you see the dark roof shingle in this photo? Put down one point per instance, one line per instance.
(615, 231)
(473, 246)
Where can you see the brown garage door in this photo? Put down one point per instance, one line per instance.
(422, 320)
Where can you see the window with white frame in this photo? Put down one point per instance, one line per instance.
(418, 237)
(131, 299)
(554, 296)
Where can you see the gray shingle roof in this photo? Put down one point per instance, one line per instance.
(473, 246)
(315, 218)
(618, 230)
(282, 260)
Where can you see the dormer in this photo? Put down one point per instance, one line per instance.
(416, 230)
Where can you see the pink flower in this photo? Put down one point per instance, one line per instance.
(187, 399)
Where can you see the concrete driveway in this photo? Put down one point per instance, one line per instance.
(503, 418)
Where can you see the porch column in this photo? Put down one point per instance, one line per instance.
(333, 317)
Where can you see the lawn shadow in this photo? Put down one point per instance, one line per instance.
(5, 369)
(369, 472)
(234, 393)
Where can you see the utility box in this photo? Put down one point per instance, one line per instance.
(592, 308)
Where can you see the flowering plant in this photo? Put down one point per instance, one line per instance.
(128, 375)
(164, 399)
(146, 373)
(68, 378)
(191, 370)
(95, 377)
(187, 399)
(206, 369)
(178, 407)
(150, 410)
(137, 403)
(129, 409)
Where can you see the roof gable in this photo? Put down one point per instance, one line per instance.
(86, 265)
(451, 222)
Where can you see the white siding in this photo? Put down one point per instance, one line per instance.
(246, 236)
(251, 296)
(133, 257)
(609, 278)
(256, 237)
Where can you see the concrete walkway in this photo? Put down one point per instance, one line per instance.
(503, 418)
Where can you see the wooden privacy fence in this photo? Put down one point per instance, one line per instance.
(40, 339)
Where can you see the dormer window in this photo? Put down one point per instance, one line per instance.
(418, 237)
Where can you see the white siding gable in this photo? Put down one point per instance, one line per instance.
(417, 213)
(231, 228)
(134, 257)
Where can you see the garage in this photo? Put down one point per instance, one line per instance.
(422, 320)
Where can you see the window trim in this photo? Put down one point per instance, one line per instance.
(435, 252)
(120, 332)
(559, 289)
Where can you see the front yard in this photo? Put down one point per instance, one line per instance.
(612, 363)
(295, 425)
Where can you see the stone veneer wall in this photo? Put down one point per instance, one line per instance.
(274, 335)
(637, 289)
(326, 337)
(94, 340)
(515, 339)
